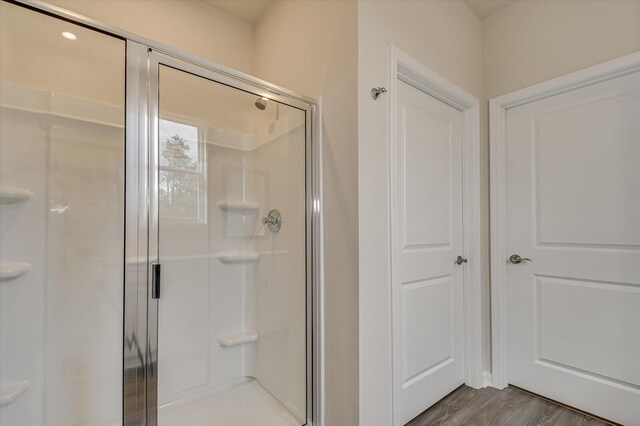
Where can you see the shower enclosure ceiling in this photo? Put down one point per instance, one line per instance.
(206, 179)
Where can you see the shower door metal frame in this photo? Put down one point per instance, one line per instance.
(156, 58)
(143, 57)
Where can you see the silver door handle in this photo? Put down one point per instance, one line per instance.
(155, 281)
(460, 260)
(516, 259)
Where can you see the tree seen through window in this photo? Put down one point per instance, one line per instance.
(181, 179)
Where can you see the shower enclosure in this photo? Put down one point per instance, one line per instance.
(158, 234)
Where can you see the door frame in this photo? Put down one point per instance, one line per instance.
(408, 69)
(497, 143)
(155, 58)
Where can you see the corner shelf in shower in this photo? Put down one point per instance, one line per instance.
(238, 338)
(238, 256)
(11, 392)
(242, 207)
(9, 271)
(14, 195)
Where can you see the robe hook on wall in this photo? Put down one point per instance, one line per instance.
(377, 91)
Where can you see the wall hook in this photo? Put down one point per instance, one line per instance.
(377, 91)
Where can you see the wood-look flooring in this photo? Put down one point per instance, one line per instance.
(506, 407)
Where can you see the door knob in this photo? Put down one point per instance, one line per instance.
(460, 260)
(516, 259)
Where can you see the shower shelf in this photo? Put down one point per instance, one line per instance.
(242, 207)
(11, 392)
(238, 338)
(238, 256)
(9, 271)
(14, 195)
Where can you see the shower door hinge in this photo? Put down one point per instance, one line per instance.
(155, 280)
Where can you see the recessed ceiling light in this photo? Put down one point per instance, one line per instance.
(68, 35)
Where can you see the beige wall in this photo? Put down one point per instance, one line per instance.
(36, 56)
(532, 41)
(447, 37)
(310, 47)
(189, 25)
(524, 43)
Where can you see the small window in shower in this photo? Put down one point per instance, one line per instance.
(182, 189)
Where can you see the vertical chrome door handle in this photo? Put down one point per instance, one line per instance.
(155, 281)
(460, 260)
(516, 259)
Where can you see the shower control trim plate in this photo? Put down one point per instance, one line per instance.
(273, 220)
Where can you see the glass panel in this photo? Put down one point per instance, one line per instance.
(182, 178)
(232, 317)
(61, 221)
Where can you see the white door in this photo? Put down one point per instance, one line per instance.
(573, 208)
(427, 238)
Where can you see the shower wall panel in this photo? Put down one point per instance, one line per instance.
(233, 305)
(61, 241)
(280, 277)
(204, 298)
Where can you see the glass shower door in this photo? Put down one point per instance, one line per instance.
(230, 201)
(62, 168)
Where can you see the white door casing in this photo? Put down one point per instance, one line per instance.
(567, 197)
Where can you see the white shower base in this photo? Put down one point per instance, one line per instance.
(243, 403)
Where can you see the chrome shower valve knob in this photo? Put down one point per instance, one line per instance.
(273, 220)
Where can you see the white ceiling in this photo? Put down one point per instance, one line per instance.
(248, 11)
(484, 8)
